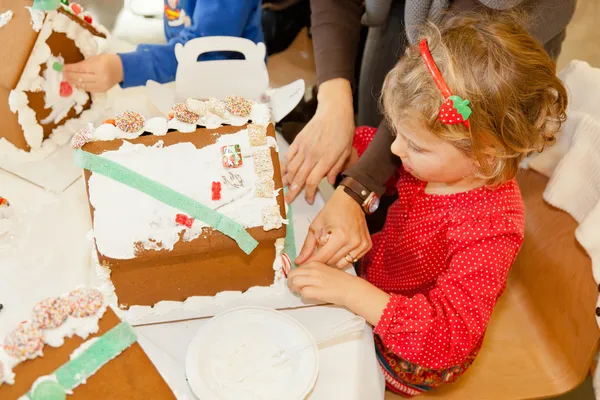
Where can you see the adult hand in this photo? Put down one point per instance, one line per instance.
(317, 281)
(95, 74)
(323, 146)
(338, 234)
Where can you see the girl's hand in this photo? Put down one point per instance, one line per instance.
(338, 234)
(317, 281)
(324, 145)
(95, 74)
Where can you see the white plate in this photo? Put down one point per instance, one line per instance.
(236, 343)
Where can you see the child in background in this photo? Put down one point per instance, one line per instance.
(184, 20)
(438, 267)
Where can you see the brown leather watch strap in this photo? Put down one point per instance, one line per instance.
(355, 190)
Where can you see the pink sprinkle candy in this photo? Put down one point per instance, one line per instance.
(51, 313)
(80, 138)
(25, 342)
(85, 302)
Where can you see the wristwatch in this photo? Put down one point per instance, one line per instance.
(368, 200)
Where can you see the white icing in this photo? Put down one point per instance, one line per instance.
(8, 363)
(31, 81)
(260, 114)
(5, 17)
(237, 372)
(181, 126)
(157, 126)
(59, 105)
(183, 168)
(82, 327)
(37, 18)
(84, 346)
(104, 132)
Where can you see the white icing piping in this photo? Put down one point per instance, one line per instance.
(151, 222)
(260, 114)
(5, 18)
(82, 327)
(37, 18)
(30, 81)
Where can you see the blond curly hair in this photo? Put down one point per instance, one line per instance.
(517, 100)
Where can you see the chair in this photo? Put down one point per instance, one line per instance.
(542, 336)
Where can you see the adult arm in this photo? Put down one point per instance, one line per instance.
(377, 165)
(335, 31)
(157, 62)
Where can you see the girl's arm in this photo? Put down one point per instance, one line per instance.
(210, 18)
(440, 326)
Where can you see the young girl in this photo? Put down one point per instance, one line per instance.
(467, 104)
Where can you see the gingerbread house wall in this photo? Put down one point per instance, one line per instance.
(17, 39)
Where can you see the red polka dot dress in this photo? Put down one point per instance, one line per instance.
(445, 260)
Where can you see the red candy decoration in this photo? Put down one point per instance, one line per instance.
(216, 191)
(286, 264)
(87, 18)
(65, 89)
(184, 220)
(76, 8)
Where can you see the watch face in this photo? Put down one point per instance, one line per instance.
(374, 204)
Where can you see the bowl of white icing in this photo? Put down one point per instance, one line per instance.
(252, 353)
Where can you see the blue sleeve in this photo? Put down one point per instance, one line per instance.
(210, 18)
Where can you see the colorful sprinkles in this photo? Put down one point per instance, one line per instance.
(51, 313)
(130, 122)
(85, 302)
(238, 106)
(181, 113)
(257, 134)
(80, 138)
(25, 342)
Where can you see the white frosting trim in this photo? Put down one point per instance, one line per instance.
(5, 17)
(82, 327)
(30, 81)
(260, 114)
(37, 18)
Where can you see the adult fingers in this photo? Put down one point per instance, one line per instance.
(347, 254)
(335, 242)
(313, 180)
(309, 246)
(298, 181)
(78, 67)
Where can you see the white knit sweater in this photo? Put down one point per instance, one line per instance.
(573, 165)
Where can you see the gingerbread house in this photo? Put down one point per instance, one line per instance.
(186, 207)
(74, 346)
(38, 108)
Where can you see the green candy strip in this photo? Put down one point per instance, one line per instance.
(160, 192)
(290, 238)
(81, 368)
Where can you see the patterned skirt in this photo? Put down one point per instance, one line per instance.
(408, 380)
